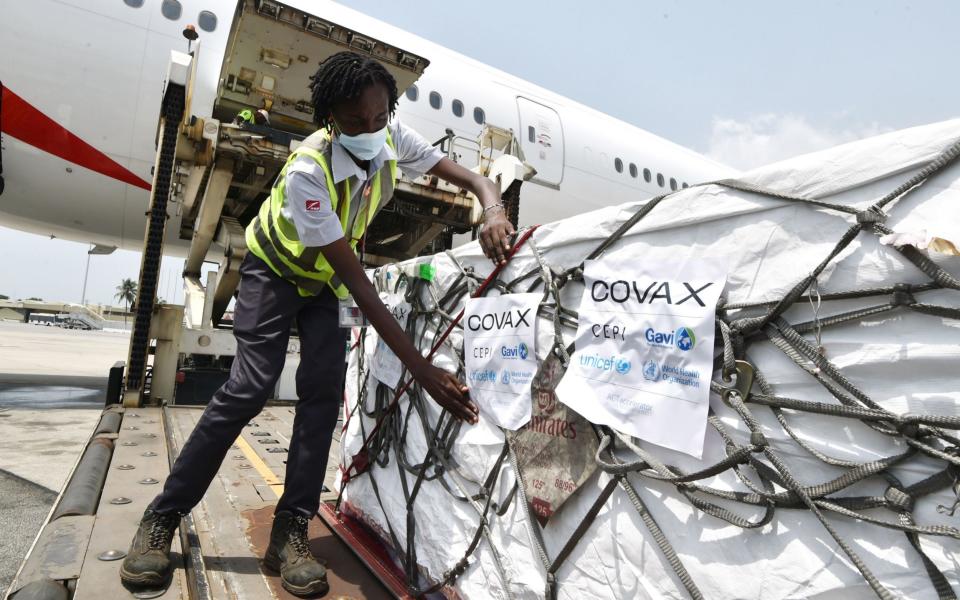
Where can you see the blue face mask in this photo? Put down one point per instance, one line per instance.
(364, 146)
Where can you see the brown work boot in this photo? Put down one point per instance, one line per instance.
(148, 562)
(289, 554)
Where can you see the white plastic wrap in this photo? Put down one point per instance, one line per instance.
(906, 361)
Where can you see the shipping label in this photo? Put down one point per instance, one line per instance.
(556, 449)
(500, 355)
(644, 348)
(384, 365)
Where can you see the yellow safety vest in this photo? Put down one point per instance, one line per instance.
(274, 239)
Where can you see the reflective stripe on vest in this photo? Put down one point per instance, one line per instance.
(274, 239)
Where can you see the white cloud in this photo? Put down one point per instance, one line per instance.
(766, 138)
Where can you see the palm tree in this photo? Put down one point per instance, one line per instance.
(126, 291)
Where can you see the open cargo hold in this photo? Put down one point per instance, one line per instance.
(837, 473)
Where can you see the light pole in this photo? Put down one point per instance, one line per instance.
(86, 272)
(94, 249)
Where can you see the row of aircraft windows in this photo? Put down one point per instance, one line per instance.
(436, 102)
(647, 175)
(172, 9)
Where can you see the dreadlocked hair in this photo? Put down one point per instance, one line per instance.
(343, 76)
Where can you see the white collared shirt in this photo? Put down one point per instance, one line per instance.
(307, 202)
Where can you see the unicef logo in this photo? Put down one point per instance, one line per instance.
(522, 351)
(686, 339)
(505, 378)
(651, 370)
(484, 375)
(623, 366)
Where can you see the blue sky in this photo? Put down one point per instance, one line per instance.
(745, 82)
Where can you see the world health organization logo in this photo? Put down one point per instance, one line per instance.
(522, 351)
(651, 370)
(505, 377)
(686, 339)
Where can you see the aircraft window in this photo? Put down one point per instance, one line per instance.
(646, 175)
(660, 179)
(618, 165)
(673, 184)
(457, 107)
(413, 93)
(633, 170)
(531, 134)
(435, 100)
(479, 116)
(171, 9)
(207, 20)
(133, 3)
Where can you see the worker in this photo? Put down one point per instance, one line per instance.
(301, 262)
(253, 117)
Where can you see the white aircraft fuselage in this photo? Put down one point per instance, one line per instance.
(82, 83)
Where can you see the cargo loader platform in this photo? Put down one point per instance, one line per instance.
(220, 545)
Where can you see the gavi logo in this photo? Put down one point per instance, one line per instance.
(514, 352)
(686, 339)
(683, 338)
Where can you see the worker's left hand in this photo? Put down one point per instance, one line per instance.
(495, 236)
(447, 391)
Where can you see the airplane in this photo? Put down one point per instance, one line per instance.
(81, 91)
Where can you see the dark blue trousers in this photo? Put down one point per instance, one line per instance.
(264, 312)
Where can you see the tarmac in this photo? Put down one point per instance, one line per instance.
(52, 387)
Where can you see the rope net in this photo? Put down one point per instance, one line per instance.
(881, 468)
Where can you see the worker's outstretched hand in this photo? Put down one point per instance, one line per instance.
(495, 236)
(448, 392)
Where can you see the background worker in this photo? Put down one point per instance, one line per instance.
(253, 117)
(302, 259)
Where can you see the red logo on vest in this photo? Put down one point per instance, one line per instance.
(314, 205)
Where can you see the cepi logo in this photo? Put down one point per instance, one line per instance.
(651, 370)
(683, 338)
(519, 351)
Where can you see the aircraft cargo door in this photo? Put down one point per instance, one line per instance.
(541, 137)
